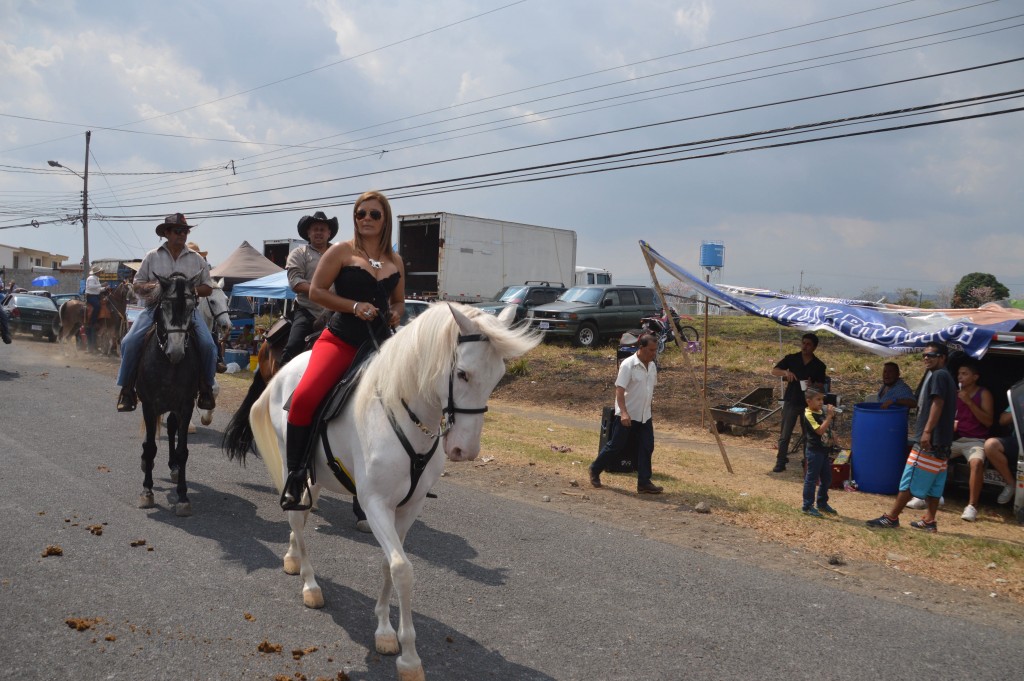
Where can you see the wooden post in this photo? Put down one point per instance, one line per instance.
(689, 365)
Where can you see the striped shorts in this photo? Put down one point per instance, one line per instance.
(924, 475)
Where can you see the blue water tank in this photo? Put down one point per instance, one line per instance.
(712, 254)
(878, 447)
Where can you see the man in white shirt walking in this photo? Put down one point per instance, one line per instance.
(633, 425)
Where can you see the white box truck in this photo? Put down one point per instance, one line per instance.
(468, 259)
(588, 276)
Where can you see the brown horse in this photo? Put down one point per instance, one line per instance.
(111, 324)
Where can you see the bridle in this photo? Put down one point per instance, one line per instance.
(163, 333)
(418, 462)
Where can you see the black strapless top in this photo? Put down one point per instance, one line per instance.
(357, 284)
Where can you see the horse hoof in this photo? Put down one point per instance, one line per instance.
(313, 598)
(174, 475)
(192, 428)
(412, 674)
(206, 418)
(386, 644)
(183, 510)
(291, 565)
(146, 500)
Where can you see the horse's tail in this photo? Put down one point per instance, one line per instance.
(267, 440)
(238, 436)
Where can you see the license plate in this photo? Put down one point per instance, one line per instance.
(37, 327)
(544, 325)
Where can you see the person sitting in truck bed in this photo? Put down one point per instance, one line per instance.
(1002, 453)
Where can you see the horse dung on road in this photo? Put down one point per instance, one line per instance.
(439, 369)
(168, 381)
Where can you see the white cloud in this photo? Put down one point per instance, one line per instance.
(694, 20)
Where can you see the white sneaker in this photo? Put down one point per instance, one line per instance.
(916, 503)
(970, 514)
(1006, 494)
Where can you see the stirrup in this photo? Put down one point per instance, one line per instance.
(296, 485)
(127, 400)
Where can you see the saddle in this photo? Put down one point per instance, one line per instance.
(332, 406)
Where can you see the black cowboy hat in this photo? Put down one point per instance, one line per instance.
(306, 220)
(176, 220)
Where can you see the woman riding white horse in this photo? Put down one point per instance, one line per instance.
(426, 387)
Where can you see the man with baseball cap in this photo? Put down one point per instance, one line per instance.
(170, 257)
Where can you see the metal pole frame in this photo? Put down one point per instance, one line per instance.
(706, 410)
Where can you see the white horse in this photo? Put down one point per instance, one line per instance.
(439, 369)
(214, 311)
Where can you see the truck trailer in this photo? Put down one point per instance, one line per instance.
(469, 259)
(277, 250)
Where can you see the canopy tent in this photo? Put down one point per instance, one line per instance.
(884, 329)
(271, 286)
(244, 264)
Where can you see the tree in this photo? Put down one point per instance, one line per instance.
(978, 288)
(907, 296)
(943, 297)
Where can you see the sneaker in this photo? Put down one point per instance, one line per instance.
(917, 503)
(825, 508)
(779, 468)
(884, 522)
(595, 478)
(926, 526)
(1006, 494)
(970, 514)
(813, 512)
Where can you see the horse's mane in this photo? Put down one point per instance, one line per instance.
(421, 352)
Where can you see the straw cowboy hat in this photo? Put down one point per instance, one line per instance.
(176, 220)
(193, 246)
(96, 269)
(306, 220)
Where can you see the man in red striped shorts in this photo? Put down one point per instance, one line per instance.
(925, 473)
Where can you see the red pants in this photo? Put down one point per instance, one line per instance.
(330, 359)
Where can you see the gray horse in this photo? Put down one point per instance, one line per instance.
(168, 381)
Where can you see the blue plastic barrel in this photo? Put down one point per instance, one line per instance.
(878, 447)
(239, 357)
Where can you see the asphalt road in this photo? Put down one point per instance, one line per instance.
(503, 589)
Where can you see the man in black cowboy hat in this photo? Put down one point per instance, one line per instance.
(302, 262)
(172, 256)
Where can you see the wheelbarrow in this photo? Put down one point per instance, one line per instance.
(748, 411)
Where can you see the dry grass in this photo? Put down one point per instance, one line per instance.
(565, 389)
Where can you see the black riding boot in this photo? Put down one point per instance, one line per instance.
(295, 486)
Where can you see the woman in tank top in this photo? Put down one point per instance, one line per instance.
(368, 299)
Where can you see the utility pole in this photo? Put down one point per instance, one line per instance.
(85, 209)
(801, 291)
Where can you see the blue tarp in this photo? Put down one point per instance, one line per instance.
(271, 286)
(883, 329)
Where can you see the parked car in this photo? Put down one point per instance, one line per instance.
(29, 314)
(588, 314)
(61, 298)
(413, 309)
(525, 297)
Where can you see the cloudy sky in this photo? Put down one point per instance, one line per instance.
(246, 115)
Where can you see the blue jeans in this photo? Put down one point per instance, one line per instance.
(131, 346)
(819, 470)
(638, 435)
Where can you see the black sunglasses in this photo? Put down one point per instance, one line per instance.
(374, 214)
(180, 230)
(931, 355)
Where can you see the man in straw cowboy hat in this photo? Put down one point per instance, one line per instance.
(93, 289)
(302, 262)
(171, 256)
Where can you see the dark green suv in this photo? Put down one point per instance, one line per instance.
(588, 314)
(524, 297)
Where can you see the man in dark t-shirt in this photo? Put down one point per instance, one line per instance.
(924, 475)
(800, 370)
